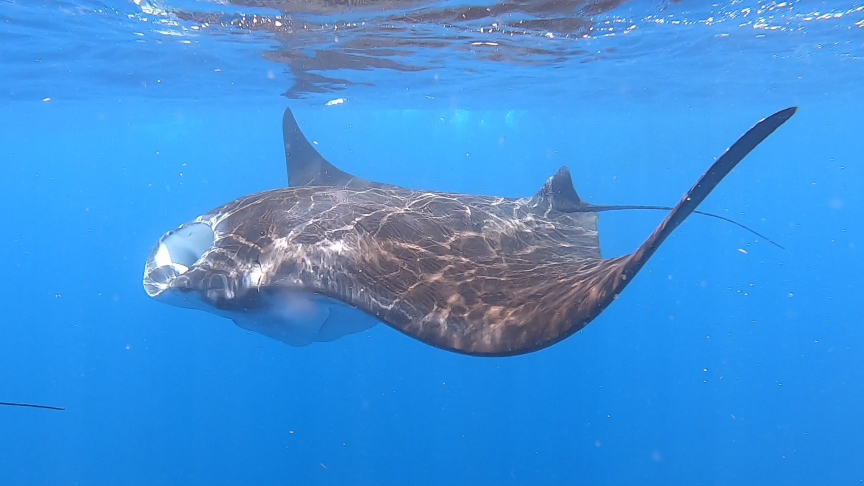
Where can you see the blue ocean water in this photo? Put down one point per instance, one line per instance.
(726, 360)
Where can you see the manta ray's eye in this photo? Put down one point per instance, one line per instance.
(185, 245)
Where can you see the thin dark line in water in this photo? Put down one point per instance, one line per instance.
(30, 405)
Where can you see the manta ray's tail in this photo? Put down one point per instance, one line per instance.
(706, 184)
(628, 207)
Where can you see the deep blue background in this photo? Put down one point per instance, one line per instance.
(714, 366)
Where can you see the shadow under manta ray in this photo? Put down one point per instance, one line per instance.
(335, 254)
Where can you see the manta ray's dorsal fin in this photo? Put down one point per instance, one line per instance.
(558, 193)
(306, 167)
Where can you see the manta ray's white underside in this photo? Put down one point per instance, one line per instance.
(300, 319)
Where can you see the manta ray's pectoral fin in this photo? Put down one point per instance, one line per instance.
(306, 167)
(611, 276)
(465, 293)
(705, 185)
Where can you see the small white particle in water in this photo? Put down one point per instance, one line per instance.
(742, 250)
(337, 101)
(46, 100)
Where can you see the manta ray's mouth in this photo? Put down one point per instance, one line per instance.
(175, 253)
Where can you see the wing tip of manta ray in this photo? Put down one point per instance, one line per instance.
(307, 167)
(786, 113)
(304, 164)
(708, 182)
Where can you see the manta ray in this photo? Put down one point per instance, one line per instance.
(333, 254)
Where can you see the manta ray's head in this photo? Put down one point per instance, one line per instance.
(179, 272)
(214, 264)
